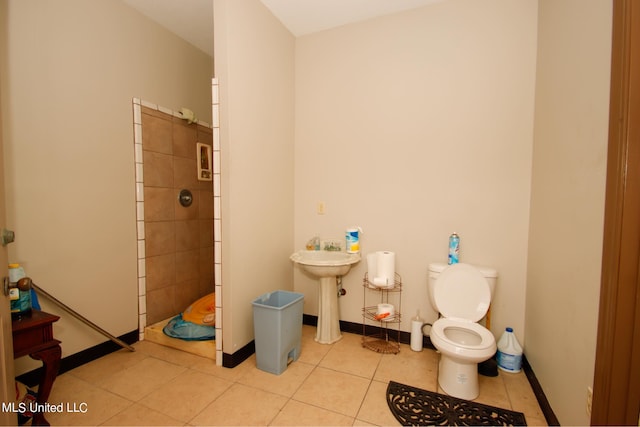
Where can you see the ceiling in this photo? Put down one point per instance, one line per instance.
(192, 20)
(309, 16)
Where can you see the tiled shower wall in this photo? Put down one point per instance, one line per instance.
(175, 243)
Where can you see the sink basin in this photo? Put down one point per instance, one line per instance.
(325, 266)
(325, 263)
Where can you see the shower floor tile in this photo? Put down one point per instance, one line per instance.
(154, 334)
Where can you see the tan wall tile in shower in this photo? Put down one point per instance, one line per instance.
(206, 186)
(157, 134)
(206, 262)
(187, 265)
(184, 139)
(206, 232)
(206, 286)
(206, 205)
(186, 292)
(187, 235)
(185, 173)
(154, 112)
(160, 238)
(159, 204)
(205, 135)
(158, 169)
(161, 271)
(160, 304)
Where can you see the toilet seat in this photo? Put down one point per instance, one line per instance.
(462, 292)
(487, 340)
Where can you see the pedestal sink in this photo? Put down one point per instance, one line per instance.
(326, 266)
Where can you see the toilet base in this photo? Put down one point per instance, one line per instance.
(458, 379)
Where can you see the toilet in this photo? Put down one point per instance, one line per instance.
(461, 293)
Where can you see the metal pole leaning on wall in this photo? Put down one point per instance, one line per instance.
(82, 318)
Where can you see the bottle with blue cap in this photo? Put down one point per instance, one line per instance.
(454, 248)
(509, 355)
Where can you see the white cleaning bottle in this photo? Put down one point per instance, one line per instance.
(509, 354)
(416, 332)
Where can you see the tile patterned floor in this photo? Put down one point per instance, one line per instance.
(330, 385)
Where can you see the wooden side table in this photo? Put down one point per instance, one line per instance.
(33, 336)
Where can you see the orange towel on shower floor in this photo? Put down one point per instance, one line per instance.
(202, 312)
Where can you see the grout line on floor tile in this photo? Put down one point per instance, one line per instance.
(131, 403)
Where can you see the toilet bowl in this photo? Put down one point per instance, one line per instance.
(461, 293)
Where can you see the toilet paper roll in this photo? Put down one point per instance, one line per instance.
(386, 309)
(386, 267)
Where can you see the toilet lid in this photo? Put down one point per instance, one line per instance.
(462, 292)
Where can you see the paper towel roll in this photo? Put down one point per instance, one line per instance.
(386, 268)
(380, 282)
(372, 267)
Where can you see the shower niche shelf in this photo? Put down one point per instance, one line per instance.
(381, 335)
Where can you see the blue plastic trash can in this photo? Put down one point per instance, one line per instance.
(277, 325)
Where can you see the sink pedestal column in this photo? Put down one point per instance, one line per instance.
(328, 330)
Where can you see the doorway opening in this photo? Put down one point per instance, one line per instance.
(176, 261)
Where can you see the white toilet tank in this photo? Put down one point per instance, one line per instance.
(435, 268)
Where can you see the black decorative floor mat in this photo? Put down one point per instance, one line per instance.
(416, 407)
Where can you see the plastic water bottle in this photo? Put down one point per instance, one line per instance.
(509, 352)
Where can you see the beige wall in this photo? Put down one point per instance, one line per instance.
(254, 62)
(414, 126)
(567, 201)
(72, 69)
